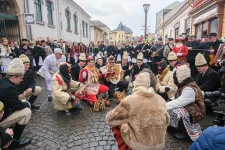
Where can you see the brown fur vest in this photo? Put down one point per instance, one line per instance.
(196, 109)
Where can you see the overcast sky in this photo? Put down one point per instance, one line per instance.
(129, 12)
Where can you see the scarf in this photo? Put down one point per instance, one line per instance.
(64, 71)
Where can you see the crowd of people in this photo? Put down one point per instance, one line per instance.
(164, 84)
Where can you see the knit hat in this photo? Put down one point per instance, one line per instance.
(15, 68)
(172, 56)
(182, 72)
(82, 57)
(200, 60)
(125, 55)
(140, 56)
(142, 79)
(1, 106)
(24, 59)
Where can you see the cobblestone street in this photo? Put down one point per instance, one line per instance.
(84, 129)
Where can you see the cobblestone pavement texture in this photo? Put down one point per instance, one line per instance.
(83, 130)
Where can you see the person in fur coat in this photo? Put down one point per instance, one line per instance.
(165, 86)
(62, 84)
(188, 109)
(140, 121)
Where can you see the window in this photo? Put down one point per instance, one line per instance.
(86, 29)
(37, 4)
(67, 12)
(75, 19)
(83, 28)
(49, 12)
(214, 26)
(187, 26)
(177, 29)
(198, 31)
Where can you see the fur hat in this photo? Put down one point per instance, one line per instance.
(172, 56)
(125, 55)
(82, 57)
(140, 56)
(200, 60)
(15, 68)
(24, 59)
(182, 72)
(142, 79)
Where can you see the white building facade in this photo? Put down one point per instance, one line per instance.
(60, 19)
(177, 21)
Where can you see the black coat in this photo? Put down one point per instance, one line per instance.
(75, 72)
(5, 137)
(111, 50)
(144, 48)
(137, 70)
(28, 82)
(38, 51)
(215, 45)
(134, 51)
(126, 69)
(205, 46)
(209, 82)
(16, 52)
(155, 48)
(9, 96)
(192, 44)
(71, 61)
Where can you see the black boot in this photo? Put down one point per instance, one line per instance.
(17, 140)
(32, 100)
(49, 98)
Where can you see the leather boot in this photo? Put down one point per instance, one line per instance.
(17, 140)
(32, 100)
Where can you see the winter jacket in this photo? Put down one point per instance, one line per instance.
(168, 82)
(9, 96)
(208, 82)
(28, 82)
(60, 96)
(111, 50)
(143, 117)
(167, 50)
(211, 139)
(138, 69)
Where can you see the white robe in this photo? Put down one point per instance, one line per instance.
(50, 67)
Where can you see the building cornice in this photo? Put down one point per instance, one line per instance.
(77, 6)
(203, 8)
(184, 7)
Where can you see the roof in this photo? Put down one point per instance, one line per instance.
(98, 23)
(122, 27)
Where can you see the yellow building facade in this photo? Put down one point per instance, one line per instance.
(121, 34)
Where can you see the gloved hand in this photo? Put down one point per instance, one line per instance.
(167, 89)
(81, 85)
(179, 54)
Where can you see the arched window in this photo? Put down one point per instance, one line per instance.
(37, 4)
(68, 16)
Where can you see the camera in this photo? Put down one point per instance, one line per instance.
(213, 99)
(220, 118)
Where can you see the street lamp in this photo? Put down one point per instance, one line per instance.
(146, 8)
